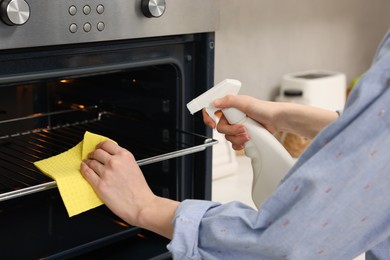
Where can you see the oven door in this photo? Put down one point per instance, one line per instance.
(133, 92)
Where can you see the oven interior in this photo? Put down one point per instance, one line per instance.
(141, 108)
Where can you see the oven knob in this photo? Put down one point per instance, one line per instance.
(153, 8)
(14, 12)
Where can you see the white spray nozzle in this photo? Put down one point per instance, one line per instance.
(226, 87)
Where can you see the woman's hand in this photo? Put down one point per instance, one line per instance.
(114, 174)
(236, 134)
(261, 111)
(293, 118)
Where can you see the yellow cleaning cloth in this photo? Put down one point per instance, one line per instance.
(77, 195)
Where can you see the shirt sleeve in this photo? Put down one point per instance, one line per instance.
(187, 223)
(333, 204)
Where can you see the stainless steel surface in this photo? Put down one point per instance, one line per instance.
(26, 191)
(153, 8)
(208, 142)
(14, 12)
(40, 115)
(54, 22)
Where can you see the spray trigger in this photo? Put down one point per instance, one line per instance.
(226, 87)
(211, 112)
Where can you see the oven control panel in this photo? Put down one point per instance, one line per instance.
(32, 23)
(86, 11)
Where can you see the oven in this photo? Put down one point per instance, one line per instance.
(124, 69)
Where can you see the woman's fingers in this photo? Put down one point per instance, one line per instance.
(207, 119)
(89, 174)
(100, 155)
(94, 165)
(104, 152)
(225, 128)
(108, 146)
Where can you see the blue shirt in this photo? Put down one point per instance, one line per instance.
(333, 204)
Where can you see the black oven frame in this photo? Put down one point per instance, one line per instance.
(193, 57)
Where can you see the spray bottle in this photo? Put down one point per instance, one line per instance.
(270, 160)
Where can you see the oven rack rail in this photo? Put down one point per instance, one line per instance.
(19, 177)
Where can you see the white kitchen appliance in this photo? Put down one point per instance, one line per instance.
(319, 88)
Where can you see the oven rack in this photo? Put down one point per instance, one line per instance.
(149, 144)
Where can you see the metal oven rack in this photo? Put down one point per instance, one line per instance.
(18, 151)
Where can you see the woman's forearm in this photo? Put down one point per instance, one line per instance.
(303, 120)
(158, 216)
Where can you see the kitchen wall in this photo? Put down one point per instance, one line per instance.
(258, 41)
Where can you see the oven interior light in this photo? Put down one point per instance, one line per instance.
(72, 105)
(77, 106)
(37, 114)
(141, 236)
(66, 81)
(121, 223)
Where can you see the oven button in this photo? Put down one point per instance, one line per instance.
(87, 27)
(73, 10)
(73, 28)
(87, 10)
(100, 26)
(14, 12)
(100, 9)
(153, 8)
